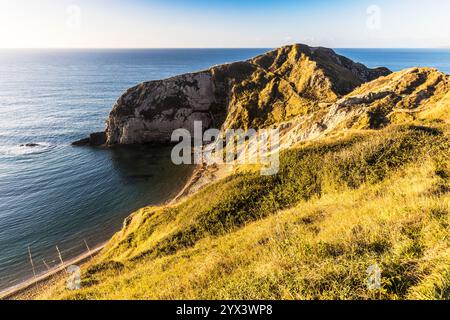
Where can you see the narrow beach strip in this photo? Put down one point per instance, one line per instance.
(27, 284)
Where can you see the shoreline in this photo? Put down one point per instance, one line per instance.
(30, 283)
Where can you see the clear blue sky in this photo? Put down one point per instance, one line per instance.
(220, 23)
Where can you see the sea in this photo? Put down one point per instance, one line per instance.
(58, 197)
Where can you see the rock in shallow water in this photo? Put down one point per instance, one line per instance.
(82, 142)
(95, 139)
(30, 145)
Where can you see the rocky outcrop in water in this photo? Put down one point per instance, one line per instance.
(274, 87)
(30, 145)
(95, 139)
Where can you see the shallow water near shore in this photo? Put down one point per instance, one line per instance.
(53, 194)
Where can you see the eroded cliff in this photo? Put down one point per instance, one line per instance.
(271, 88)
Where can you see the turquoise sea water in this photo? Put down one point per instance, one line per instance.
(55, 194)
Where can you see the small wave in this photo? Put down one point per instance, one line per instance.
(24, 150)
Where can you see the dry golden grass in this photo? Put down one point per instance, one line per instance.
(311, 232)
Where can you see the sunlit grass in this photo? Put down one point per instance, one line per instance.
(309, 232)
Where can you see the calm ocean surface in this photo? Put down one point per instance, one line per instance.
(56, 194)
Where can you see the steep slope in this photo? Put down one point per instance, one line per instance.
(335, 208)
(318, 73)
(274, 87)
(416, 94)
(403, 96)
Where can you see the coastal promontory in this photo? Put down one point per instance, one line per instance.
(276, 86)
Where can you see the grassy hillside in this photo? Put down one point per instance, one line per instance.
(336, 207)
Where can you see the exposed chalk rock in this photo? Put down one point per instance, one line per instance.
(274, 87)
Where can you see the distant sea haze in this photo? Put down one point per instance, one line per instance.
(55, 194)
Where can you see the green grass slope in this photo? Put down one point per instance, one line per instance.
(310, 232)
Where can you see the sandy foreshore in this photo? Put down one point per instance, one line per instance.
(28, 285)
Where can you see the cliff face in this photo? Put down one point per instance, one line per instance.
(274, 87)
(411, 94)
(151, 111)
(416, 94)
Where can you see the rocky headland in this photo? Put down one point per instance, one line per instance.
(277, 86)
(307, 90)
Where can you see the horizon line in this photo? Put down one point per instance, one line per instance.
(197, 47)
